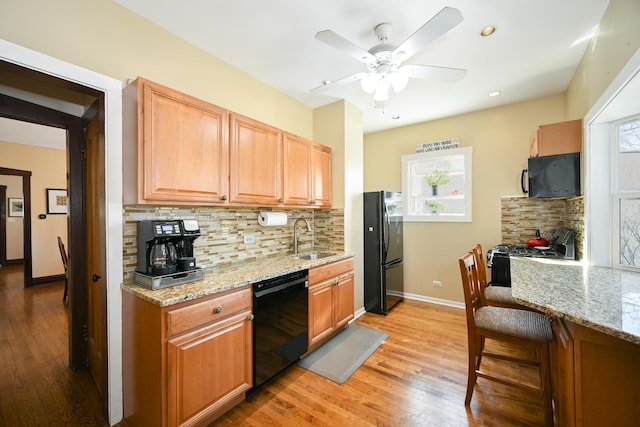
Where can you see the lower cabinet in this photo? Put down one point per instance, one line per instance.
(186, 364)
(331, 300)
(596, 377)
(562, 375)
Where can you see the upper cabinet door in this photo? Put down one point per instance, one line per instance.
(184, 147)
(255, 162)
(297, 170)
(321, 176)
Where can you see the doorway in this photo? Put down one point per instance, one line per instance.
(79, 305)
(112, 90)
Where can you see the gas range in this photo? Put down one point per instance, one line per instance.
(562, 246)
(528, 251)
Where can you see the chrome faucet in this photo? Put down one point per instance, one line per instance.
(295, 234)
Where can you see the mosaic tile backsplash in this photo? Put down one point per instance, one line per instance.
(522, 216)
(223, 229)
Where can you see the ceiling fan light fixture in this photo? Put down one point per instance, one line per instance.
(370, 82)
(382, 90)
(399, 80)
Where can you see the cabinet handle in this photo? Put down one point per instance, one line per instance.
(218, 309)
(250, 317)
(280, 200)
(223, 197)
(312, 202)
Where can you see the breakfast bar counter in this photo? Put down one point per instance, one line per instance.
(595, 356)
(603, 299)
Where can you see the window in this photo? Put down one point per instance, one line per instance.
(626, 193)
(436, 186)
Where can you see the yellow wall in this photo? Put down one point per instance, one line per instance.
(14, 229)
(102, 36)
(49, 170)
(500, 138)
(617, 40)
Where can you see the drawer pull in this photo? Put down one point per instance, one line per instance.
(218, 309)
(250, 317)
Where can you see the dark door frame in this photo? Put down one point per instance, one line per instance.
(3, 225)
(26, 223)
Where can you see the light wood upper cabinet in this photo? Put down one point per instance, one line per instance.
(180, 150)
(321, 175)
(297, 170)
(255, 162)
(557, 138)
(181, 155)
(307, 172)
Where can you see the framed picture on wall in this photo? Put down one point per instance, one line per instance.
(16, 206)
(56, 201)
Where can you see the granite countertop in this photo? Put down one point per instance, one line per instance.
(230, 277)
(603, 299)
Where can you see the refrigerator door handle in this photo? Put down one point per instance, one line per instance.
(385, 234)
(392, 263)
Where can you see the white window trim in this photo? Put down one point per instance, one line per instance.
(598, 242)
(406, 190)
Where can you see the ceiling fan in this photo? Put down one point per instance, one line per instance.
(384, 60)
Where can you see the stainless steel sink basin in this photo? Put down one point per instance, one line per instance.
(315, 255)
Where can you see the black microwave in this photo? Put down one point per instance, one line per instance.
(553, 176)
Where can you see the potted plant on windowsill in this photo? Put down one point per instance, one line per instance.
(434, 206)
(435, 178)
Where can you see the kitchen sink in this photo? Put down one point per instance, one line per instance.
(315, 255)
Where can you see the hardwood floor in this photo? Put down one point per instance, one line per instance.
(37, 388)
(416, 378)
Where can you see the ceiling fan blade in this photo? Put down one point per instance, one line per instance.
(344, 45)
(429, 72)
(341, 82)
(442, 22)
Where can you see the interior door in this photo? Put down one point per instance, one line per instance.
(95, 214)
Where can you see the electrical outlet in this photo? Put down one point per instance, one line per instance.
(249, 239)
(437, 283)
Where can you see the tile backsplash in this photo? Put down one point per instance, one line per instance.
(522, 216)
(223, 230)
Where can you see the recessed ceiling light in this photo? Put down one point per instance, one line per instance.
(395, 117)
(326, 82)
(487, 31)
(495, 93)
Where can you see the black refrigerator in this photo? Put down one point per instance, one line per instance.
(383, 279)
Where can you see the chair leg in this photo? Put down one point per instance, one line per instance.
(64, 296)
(474, 361)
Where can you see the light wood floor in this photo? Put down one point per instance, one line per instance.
(37, 388)
(416, 378)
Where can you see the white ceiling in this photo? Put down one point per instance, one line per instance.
(533, 53)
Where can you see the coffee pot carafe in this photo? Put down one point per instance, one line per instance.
(162, 258)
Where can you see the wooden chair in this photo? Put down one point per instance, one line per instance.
(525, 329)
(499, 296)
(65, 263)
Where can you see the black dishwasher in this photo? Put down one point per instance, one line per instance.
(281, 324)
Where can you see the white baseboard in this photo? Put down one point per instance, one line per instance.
(416, 297)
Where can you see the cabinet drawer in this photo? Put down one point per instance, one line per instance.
(201, 313)
(324, 272)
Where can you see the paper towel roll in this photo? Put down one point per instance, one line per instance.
(267, 219)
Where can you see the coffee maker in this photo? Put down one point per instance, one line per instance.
(165, 253)
(157, 240)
